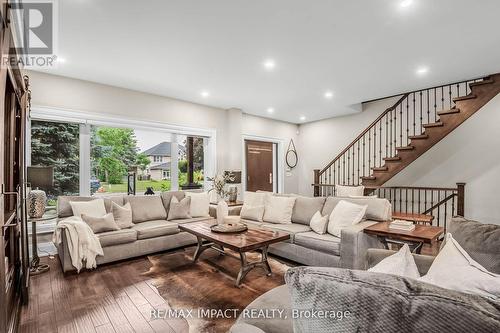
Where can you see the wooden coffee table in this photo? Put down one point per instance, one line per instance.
(250, 240)
(415, 239)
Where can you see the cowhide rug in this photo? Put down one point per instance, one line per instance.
(209, 285)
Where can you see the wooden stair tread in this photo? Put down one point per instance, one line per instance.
(450, 111)
(384, 168)
(463, 98)
(418, 137)
(436, 124)
(420, 218)
(368, 178)
(392, 159)
(480, 83)
(405, 148)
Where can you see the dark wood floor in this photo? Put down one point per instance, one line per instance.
(113, 298)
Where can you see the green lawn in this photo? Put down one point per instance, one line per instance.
(141, 185)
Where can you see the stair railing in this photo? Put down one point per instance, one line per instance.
(392, 130)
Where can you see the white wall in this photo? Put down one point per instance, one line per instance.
(470, 154)
(230, 125)
(321, 141)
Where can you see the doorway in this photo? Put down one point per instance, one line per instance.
(261, 164)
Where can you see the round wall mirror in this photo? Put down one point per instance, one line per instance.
(291, 157)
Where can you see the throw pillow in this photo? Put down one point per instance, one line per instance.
(344, 215)
(279, 209)
(253, 213)
(179, 209)
(123, 215)
(319, 223)
(305, 208)
(200, 203)
(454, 269)
(93, 208)
(255, 198)
(146, 208)
(400, 263)
(101, 224)
(345, 191)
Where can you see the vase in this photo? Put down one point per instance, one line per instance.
(233, 193)
(36, 203)
(222, 211)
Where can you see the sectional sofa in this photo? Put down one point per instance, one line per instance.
(153, 233)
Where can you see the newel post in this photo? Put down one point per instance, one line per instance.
(461, 199)
(316, 182)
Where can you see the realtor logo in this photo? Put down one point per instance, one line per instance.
(35, 29)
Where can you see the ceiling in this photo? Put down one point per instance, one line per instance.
(358, 50)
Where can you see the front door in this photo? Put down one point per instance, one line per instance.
(259, 165)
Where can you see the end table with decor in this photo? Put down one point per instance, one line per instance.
(35, 266)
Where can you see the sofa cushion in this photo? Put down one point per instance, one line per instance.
(193, 219)
(292, 228)
(117, 237)
(146, 208)
(155, 228)
(251, 223)
(109, 200)
(279, 209)
(324, 243)
(377, 210)
(346, 191)
(305, 208)
(122, 215)
(480, 240)
(384, 303)
(166, 197)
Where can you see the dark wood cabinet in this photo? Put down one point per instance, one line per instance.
(14, 270)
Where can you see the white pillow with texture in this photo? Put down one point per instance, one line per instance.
(454, 269)
(400, 263)
(344, 215)
(200, 204)
(279, 209)
(346, 191)
(319, 223)
(254, 199)
(93, 208)
(254, 213)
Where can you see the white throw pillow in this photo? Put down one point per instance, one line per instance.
(345, 191)
(200, 204)
(344, 215)
(254, 213)
(254, 199)
(454, 269)
(93, 208)
(400, 263)
(319, 223)
(279, 209)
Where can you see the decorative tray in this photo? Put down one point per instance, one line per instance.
(228, 228)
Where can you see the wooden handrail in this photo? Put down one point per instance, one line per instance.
(365, 131)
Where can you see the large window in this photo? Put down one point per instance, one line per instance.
(57, 144)
(188, 144)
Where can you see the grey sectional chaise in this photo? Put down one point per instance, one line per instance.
(151, 231)
(381, 302)
(309, 248)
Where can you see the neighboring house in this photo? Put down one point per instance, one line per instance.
(160, 157)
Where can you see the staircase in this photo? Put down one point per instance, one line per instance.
(415, 123)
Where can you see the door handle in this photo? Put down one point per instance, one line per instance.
(270, 178)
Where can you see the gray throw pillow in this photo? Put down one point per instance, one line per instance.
(179, 209)
(166, 197)
(305, 208)
(101, 224)
(123, 215)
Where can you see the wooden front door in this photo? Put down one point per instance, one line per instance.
(259, 165)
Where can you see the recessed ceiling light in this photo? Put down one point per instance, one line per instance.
(406, 3)
(422, 70)
(270, 110)
(205, 94)
(269, 64)
(328, 94)
(302, 118)
(61, 60)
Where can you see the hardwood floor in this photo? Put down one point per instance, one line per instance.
(113, 298)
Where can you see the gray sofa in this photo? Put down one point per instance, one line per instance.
(151, 231)
(309, 248)
(381, 302)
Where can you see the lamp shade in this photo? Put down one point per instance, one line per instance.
(236, 175)
(41, 176)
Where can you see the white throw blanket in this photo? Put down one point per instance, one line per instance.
(83, 244)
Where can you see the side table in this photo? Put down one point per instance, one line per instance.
(415, 239)
(35, 266)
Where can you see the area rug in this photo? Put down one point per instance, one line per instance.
(206, 287)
